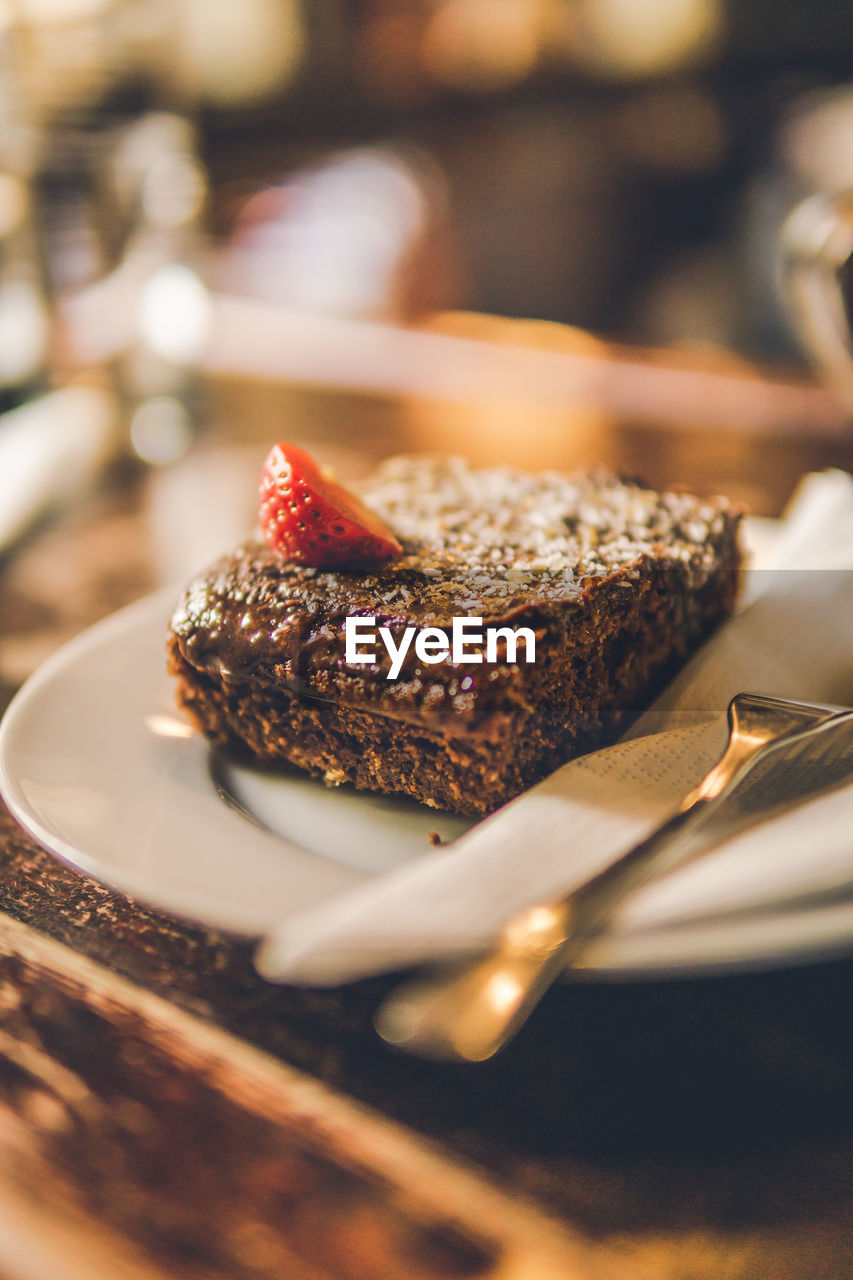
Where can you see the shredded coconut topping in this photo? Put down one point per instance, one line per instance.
(499, 526)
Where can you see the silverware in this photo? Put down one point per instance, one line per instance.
(469, 1011)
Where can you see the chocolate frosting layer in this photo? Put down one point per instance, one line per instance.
(510, 548)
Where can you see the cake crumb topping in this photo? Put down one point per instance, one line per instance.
(498, 526)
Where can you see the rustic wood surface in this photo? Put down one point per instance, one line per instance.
(164, 1112)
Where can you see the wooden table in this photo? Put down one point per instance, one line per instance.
(165, 1113)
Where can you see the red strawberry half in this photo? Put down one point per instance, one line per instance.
(311, 518)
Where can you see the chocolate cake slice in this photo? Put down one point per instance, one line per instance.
(617, 583)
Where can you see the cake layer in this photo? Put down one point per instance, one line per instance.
(619, 584)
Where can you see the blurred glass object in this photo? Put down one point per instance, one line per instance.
(118, 189)
(24, 318)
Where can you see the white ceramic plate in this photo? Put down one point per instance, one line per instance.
(98, 766)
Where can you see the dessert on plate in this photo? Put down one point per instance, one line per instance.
(453, 634)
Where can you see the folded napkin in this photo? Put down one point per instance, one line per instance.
(793, 638)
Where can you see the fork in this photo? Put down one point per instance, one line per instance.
(469, 1011)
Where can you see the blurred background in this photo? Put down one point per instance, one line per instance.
(543, 232)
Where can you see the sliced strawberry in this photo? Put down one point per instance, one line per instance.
(309, 517)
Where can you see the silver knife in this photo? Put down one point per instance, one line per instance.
(779, 753)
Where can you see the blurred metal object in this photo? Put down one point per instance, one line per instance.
(817, 264)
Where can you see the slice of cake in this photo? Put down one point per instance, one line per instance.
(603, 587)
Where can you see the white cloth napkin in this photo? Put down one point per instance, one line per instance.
(793, 638)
